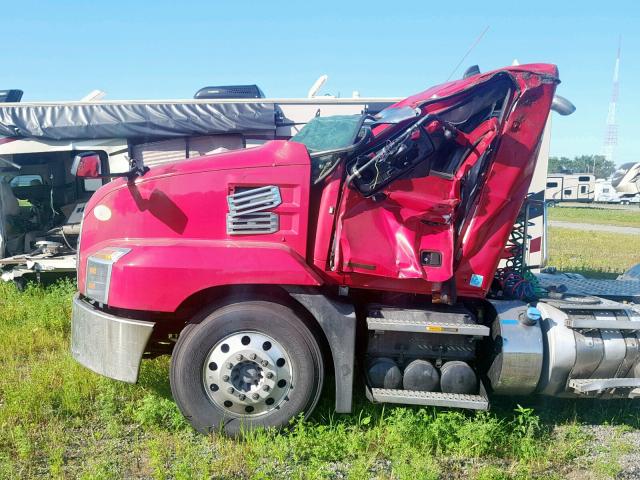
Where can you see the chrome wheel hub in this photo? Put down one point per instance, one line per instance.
(247, 374)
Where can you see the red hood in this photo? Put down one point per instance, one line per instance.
(276, 153)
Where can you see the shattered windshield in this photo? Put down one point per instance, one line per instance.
(329, 133)
(334, 133)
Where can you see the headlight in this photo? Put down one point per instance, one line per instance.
(99, 272)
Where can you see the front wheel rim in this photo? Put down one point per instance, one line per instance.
(247, 374)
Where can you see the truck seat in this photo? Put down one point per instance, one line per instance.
(9, 207)
(8, 201)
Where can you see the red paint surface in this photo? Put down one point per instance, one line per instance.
(174, 217)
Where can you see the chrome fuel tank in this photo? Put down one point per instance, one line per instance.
(518, 354)
(587, 344)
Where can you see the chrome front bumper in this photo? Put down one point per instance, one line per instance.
(109, 345)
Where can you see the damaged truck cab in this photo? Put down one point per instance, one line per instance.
(367, 245)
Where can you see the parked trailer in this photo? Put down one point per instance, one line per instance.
(604, 192)
(570, 187)
(42, 202)
(626, 180)
(367, 245)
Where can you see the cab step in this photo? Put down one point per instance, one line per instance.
(436, 399)
(424, 321)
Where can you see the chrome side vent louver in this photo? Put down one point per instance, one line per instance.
(247, 215)
(252, 223)
(254, 200)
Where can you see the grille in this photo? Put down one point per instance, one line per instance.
(254, 200)
(247, 215)
(252, 223)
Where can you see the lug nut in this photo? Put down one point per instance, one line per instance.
(266, 388)
(255, 396)
(225, 378)
(239, 357)
(229, 365)
(269, 375)
(252, 356)
(241, 397)
(264, 363)
(230, 390)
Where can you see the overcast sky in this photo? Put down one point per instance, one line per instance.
(138, 49)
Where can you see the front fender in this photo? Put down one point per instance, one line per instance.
(159, 275)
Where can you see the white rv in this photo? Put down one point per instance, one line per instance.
(604, 192)
(570, 187)
(626, 180)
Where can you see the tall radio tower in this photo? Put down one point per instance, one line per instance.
(611, 133)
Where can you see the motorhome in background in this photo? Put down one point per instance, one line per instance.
(562, 187)
(39, 141)
(626, 180)
(604, 192)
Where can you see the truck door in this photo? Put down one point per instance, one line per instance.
(400, 218)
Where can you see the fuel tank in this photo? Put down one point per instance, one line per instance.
(579, 346)
(586, 341)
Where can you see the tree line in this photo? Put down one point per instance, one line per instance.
(596, 164)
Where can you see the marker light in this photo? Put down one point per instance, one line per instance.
(98, 275)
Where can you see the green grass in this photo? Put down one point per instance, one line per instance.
(603, 216)
(597, 254)
(59, 420)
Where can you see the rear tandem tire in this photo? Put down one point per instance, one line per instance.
(227, 352)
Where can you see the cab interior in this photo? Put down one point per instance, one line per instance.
(39, 199)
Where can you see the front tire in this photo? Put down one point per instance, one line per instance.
(246, 365)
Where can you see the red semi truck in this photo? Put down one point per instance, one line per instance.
(365, 245)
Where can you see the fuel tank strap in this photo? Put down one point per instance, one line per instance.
(594, 323)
